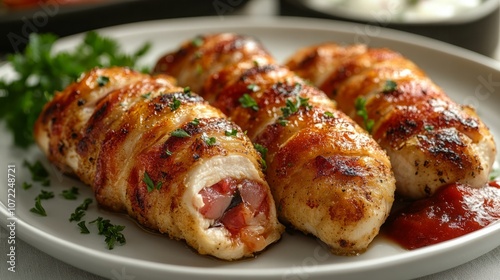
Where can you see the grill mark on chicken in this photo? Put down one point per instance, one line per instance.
(414, 121)
(342, 165)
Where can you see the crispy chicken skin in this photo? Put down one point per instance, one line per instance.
(161, 154)
(431, 140)
(329, 178)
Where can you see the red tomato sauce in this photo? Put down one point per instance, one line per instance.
(453, 211)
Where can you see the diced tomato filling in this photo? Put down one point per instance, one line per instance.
(217, 198)
(234, 204)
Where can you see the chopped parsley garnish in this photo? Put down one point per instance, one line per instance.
(429, 127)
(26, 185)
(83, 228)
(210, 141)
(328, 114)
(38, 172)
(80, 210)
(263, 154)
(247, 101)
(389, 86)
(146, 95)
(70, 194)
(187, 90)
(150, 184)
(38, 209)
(176, 103)
(197, 41)
(168, 152)
(45, 195)
(253, 87)
(495, 173)
(232, 132)
(199, 69)
(360, 105)
(102, 81)
(181, 133)
(195, 122)
(292, 107)
(112, 233)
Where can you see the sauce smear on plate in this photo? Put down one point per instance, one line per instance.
(453, 211)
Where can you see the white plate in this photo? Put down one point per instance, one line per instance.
(467, 77)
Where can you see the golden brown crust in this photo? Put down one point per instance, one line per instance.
(432, 140)
(328, 177)
(114, 128)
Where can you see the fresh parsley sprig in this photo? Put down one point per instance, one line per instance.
(40, 72)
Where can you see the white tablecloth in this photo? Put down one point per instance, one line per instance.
(36, 265)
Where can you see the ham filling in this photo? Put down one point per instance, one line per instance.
(235, 204)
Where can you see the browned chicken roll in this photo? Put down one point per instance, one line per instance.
(431, 140)
(329, 178)
(165, 156)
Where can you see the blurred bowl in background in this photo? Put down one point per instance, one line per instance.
(471, 24)
(19, 18)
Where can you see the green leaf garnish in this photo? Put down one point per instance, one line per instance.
(263, 154)
(38, 209)
(146, 95)
(70, 194)
(38, 172)
(80, 210)
(45, 195)
(232, 132)
(102, 80)
(176, 103)
(389, 86)
(197, 41)
(150, 184)
(210, 141)
(26, 185)
(292, 106)
(83, 228)
(328, 114)
(181, 133)
(247, 101)
(494, 174)
(360, 105)
(253, 87)
(195, 122)
(112, 233)
(40, 72)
